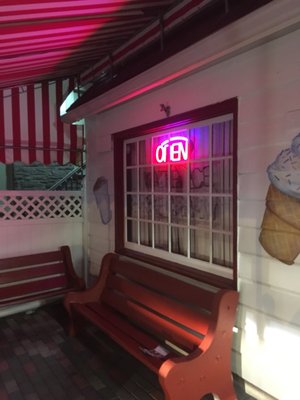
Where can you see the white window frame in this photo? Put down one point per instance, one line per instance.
(209, 266)
(206, 270)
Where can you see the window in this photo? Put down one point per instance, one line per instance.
(176, 205)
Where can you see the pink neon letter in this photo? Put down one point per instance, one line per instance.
(179, 149)
(161, 152)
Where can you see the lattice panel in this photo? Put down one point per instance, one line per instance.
(41, 205)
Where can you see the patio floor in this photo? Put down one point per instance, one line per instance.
(38, 361)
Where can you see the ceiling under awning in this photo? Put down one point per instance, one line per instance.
(48, 39)
(43, 40)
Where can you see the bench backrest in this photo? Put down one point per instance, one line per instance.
(174, 310)
(25, 278)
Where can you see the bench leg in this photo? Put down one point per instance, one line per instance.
(226, 390)
(72, 327)
(72, 331)
(194, 378)
(192, 391)
(76, 324)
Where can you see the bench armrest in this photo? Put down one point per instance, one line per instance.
(209, 366)
(92, 294)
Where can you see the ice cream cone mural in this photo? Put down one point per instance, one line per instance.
(102, 198)
(280, 229)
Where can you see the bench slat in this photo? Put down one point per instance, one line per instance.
(172, 287)
(35, 296)
(156, 324)
(31, 259)
(129, 342)
(28, 288)
(195, 320)
(32, 272)
(110, 315)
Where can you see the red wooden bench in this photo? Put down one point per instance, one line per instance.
(37, 276)
(179, 330)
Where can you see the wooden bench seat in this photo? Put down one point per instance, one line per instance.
(178, 329)
(37, 276)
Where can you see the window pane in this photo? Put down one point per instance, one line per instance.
(178, 178)
(179, 210)
(221, 176)
(132, 232)
(199, 177)
(200, 244)
(146, 207)
(199, 211)
(145, 179)
(161, 179)
(131, 180)
(179, 241)
(222, 139)
(146, 234)
(221, 213)
(132, 206)
(161, 209)
(145, 156)
(131, 156)
(161, 237)
(199, 143)
(222, 249)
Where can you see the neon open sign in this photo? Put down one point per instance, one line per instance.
(174, 149)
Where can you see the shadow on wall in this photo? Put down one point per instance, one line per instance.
(100, 190)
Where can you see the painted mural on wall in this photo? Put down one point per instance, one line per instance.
(102, 198)
(280, 230)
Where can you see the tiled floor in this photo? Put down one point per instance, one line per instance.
(38, 361)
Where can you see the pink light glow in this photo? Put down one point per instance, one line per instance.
(174, 149)
(46, 35)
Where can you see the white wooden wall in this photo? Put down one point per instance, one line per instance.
(28, 237)
(266, 80)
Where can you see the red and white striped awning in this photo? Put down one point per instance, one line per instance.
(44, 45)
(47, 39)
(31, 128)
(180, 11)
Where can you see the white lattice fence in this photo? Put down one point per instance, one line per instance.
(24, 205)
